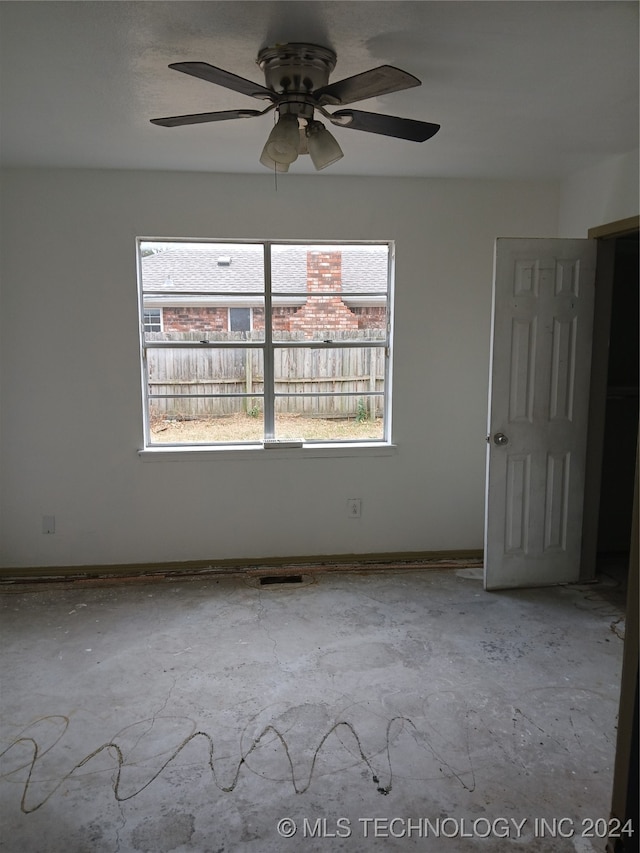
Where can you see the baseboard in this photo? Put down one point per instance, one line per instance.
(333, 562)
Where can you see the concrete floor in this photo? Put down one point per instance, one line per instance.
(390, 710)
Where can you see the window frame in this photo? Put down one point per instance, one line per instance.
(146, 322)
(268, 345)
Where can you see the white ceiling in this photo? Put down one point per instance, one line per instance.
(521, 89)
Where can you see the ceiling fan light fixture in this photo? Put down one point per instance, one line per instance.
(284, 140)
(322, 145)
(271, 164)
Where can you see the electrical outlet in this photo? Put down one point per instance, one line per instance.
(48, 524)
(354, 507)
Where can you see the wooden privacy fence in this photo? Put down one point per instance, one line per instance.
(298, 371)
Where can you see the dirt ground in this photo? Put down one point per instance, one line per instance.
(242, 427)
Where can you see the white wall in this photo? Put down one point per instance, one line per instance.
(601, 194)
(71, 401)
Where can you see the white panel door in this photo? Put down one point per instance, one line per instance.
(541, 330)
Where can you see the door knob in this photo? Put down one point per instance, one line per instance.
(500, 438)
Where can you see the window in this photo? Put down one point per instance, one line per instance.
(280, 342)
(239, 319)
(151, 320)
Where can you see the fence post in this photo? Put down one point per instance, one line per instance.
(372, 382)
(248, 377)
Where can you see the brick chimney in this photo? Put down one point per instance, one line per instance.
(324, 309)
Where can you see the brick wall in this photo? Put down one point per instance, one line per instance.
(195, 319)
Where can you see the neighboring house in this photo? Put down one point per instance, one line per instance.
(209, 287)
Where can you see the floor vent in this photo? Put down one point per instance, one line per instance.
(271, 579)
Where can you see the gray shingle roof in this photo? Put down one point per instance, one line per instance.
(202, 267)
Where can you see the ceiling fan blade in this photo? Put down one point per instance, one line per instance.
(223, 78)
(200, 118)
(401, 128)
(369, 84)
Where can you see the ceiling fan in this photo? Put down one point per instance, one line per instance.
(297, 84)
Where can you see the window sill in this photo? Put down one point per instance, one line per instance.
(307, 451)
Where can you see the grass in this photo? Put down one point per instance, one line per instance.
(242, 427)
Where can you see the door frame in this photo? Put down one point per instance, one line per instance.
(606, 236)
(624, 794)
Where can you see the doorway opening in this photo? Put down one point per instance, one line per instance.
(613, 420)
(614, 410)
(621, 411)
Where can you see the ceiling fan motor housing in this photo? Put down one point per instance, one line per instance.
(296, 68)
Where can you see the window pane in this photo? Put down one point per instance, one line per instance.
(329, 292)
(198, 387)
(197, 285)
(334, 418)
(329, 394)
